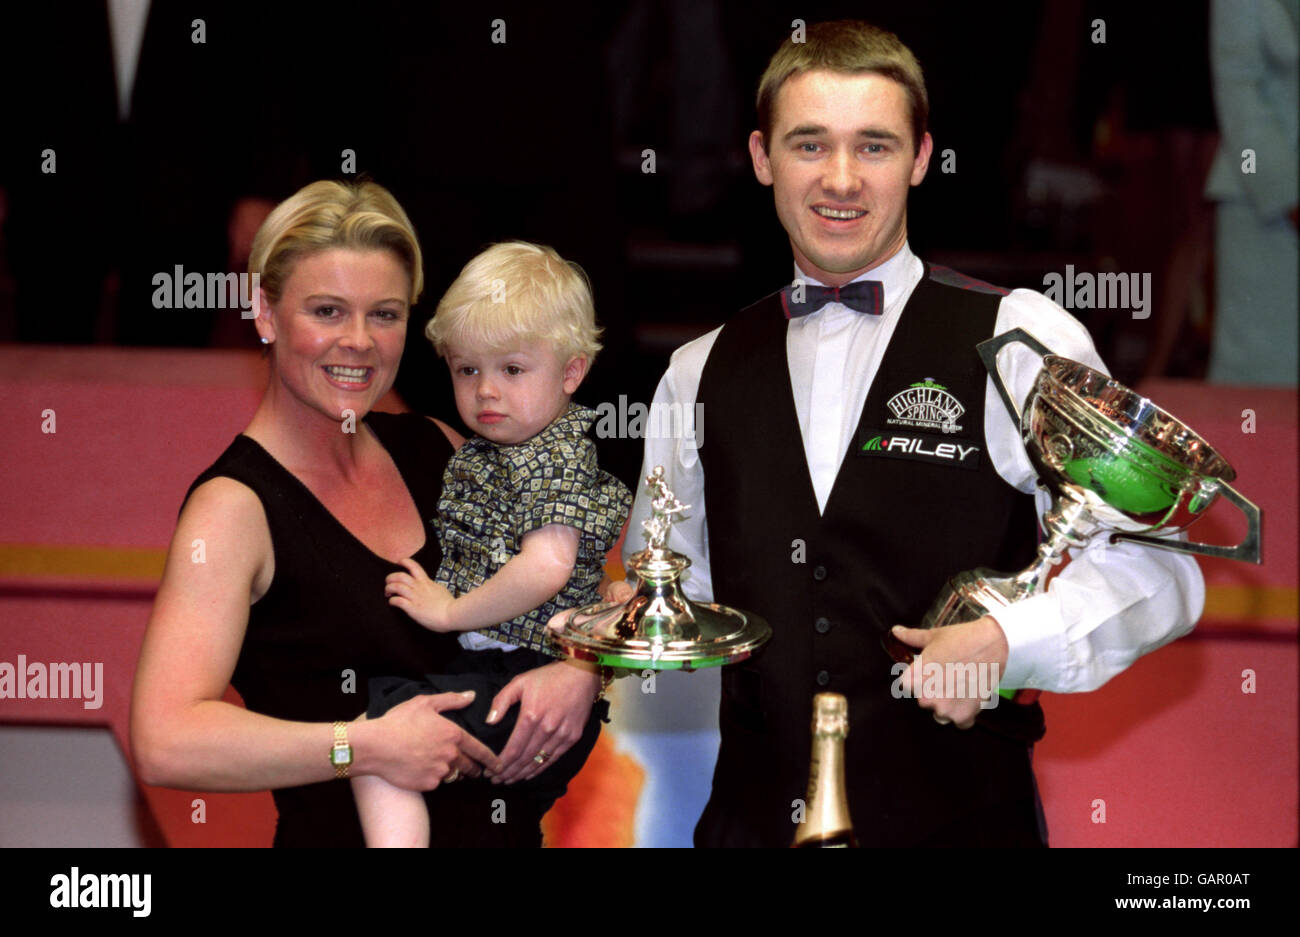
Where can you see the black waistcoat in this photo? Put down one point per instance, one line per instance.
(896, 526)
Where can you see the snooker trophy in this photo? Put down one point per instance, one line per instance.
(1116, 465)
(659, 628)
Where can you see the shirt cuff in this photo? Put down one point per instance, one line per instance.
(1035, 641)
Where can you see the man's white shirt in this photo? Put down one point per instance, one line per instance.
(1107, 607)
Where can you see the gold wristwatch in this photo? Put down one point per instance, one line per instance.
(341, 752)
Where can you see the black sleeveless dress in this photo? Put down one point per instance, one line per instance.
(324, 628)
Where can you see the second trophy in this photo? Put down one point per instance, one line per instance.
(1116, 465)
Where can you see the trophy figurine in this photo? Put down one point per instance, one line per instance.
(659, 628)
(1116, 465)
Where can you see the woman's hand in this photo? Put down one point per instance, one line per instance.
(554, 703)
(420, 597)
(413, 747)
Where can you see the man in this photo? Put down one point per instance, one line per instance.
(834, 540)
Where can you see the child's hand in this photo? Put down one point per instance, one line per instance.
(420, 597)
(619, 590)
(616, 590)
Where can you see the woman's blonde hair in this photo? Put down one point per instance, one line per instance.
(517, 291)
(329, 214)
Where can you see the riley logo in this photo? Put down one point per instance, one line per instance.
(919, 447)
(926, 405)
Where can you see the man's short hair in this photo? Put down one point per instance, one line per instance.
(849, 47)
(516, 291)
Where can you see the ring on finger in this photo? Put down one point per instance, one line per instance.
(541, 757)
(454, 776)
(942, 720)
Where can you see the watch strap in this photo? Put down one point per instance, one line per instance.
(341, 751)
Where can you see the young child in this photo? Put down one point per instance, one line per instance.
(525, 518)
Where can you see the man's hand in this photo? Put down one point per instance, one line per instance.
(979, 642)
(420, 597)
(554, 703)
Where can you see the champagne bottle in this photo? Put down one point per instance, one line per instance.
(826, 820)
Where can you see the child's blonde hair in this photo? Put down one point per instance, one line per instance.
(517, 291)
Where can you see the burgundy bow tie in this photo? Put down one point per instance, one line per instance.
(867, 296)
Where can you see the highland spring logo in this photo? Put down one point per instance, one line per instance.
(927, 404)
(181, 290)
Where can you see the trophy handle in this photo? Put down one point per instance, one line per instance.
(988, 351)
(1248, 549)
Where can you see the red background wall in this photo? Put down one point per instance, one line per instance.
(1173, 750)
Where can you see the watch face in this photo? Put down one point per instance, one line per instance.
(341, 755)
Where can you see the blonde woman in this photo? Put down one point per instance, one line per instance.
(303, 518)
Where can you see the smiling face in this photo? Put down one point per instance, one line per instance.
(841, 163)
(510, 396)
(338, 329)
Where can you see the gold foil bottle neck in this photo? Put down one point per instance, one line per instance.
(827, 822)
(830, 715)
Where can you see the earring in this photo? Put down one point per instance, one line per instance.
(265, 340)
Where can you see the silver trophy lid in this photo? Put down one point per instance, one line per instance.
(659, 628)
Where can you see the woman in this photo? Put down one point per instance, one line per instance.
(299, 523)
